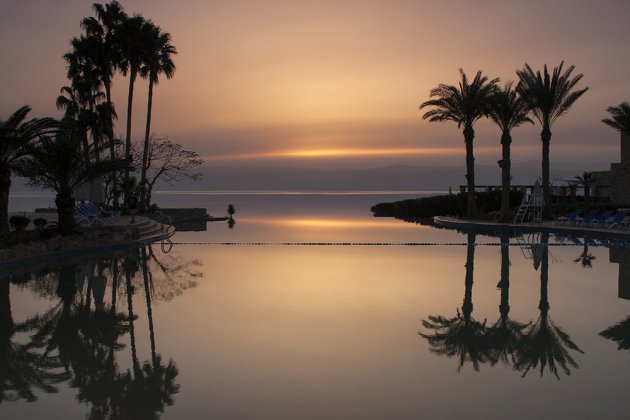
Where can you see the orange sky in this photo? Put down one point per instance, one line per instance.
(277, 82)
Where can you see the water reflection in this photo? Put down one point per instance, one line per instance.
(524, 347)
(80, 339)
(460, 336)
(620, 332)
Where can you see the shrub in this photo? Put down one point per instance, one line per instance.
(40, 222)
(19, 223)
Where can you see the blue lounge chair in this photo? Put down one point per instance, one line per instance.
(618, 221)
(109, 215)
(572, 218)
(602, 219)
(586, 219)
(89, 214)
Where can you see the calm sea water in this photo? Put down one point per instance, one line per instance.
(458, 327)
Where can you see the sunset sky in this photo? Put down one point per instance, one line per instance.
(338, 83)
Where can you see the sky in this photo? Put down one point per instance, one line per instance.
(337, 84)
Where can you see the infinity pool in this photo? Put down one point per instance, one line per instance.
(272, 327)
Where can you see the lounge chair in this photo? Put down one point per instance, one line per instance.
(572, 218)
(586, 219)
(106, 214)
(602, 219)
(618, 221)
(87, 213)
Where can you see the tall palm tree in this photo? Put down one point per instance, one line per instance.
(508, 111)
(107, 57)
(159, 60)
(619, 117)
(464, 104)
(461, 336)
(15, 135)
(57, 163)
(549, 96)
(620, 333)
(132, 45)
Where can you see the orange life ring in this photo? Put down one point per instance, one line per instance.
(497, 217)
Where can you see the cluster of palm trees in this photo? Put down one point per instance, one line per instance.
(80, 147)
(543, 95)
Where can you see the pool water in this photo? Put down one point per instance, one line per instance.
(292, 319)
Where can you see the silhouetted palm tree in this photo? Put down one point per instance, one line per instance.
(544, 344)
(620, 333)
(56, 163)
(107, 56)
(586, 180)
(15, 135)
(461, 336)
(158, 61)
(549, 97)
(508, 111)
(133, 46)
(505, 336)
(464, 104)
(620, 117)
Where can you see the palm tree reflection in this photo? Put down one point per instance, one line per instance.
(505, 336)
(460, 336)
(79, 339)
(620, 333)
(545, 345)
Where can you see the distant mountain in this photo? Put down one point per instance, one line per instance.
(396, 178)
(399, 177)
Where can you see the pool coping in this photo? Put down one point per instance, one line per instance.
(547, 226)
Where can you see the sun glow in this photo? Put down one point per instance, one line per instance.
(339, 223)
(349, 152)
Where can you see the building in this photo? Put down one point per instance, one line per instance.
(620, 174)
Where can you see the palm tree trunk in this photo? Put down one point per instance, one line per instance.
(145, 151)
(544, 274)
(545, 136)
(65, 211)
(469, 135)
(5, 187)
(504, 307)
(6, 319)
(132, 333)
(147, 294)
(132, 80)
(506, 140)
(467, 307)
(112, 149)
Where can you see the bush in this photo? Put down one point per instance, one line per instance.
(19, 223)
(443, 205)
(40, 222)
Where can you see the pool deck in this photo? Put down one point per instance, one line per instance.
(145, 230)
(546, 226)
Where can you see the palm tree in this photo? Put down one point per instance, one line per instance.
(461, 336)
(56, 163)
(107, 56)
(132, 45)
(158, 61)
(544, 343)
(620, 117)
(585, 258)
(464, 104)
(586, 180)
(548, 97)
(508, 111)
(15, 135)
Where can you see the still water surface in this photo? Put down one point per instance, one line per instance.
(467, 330)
